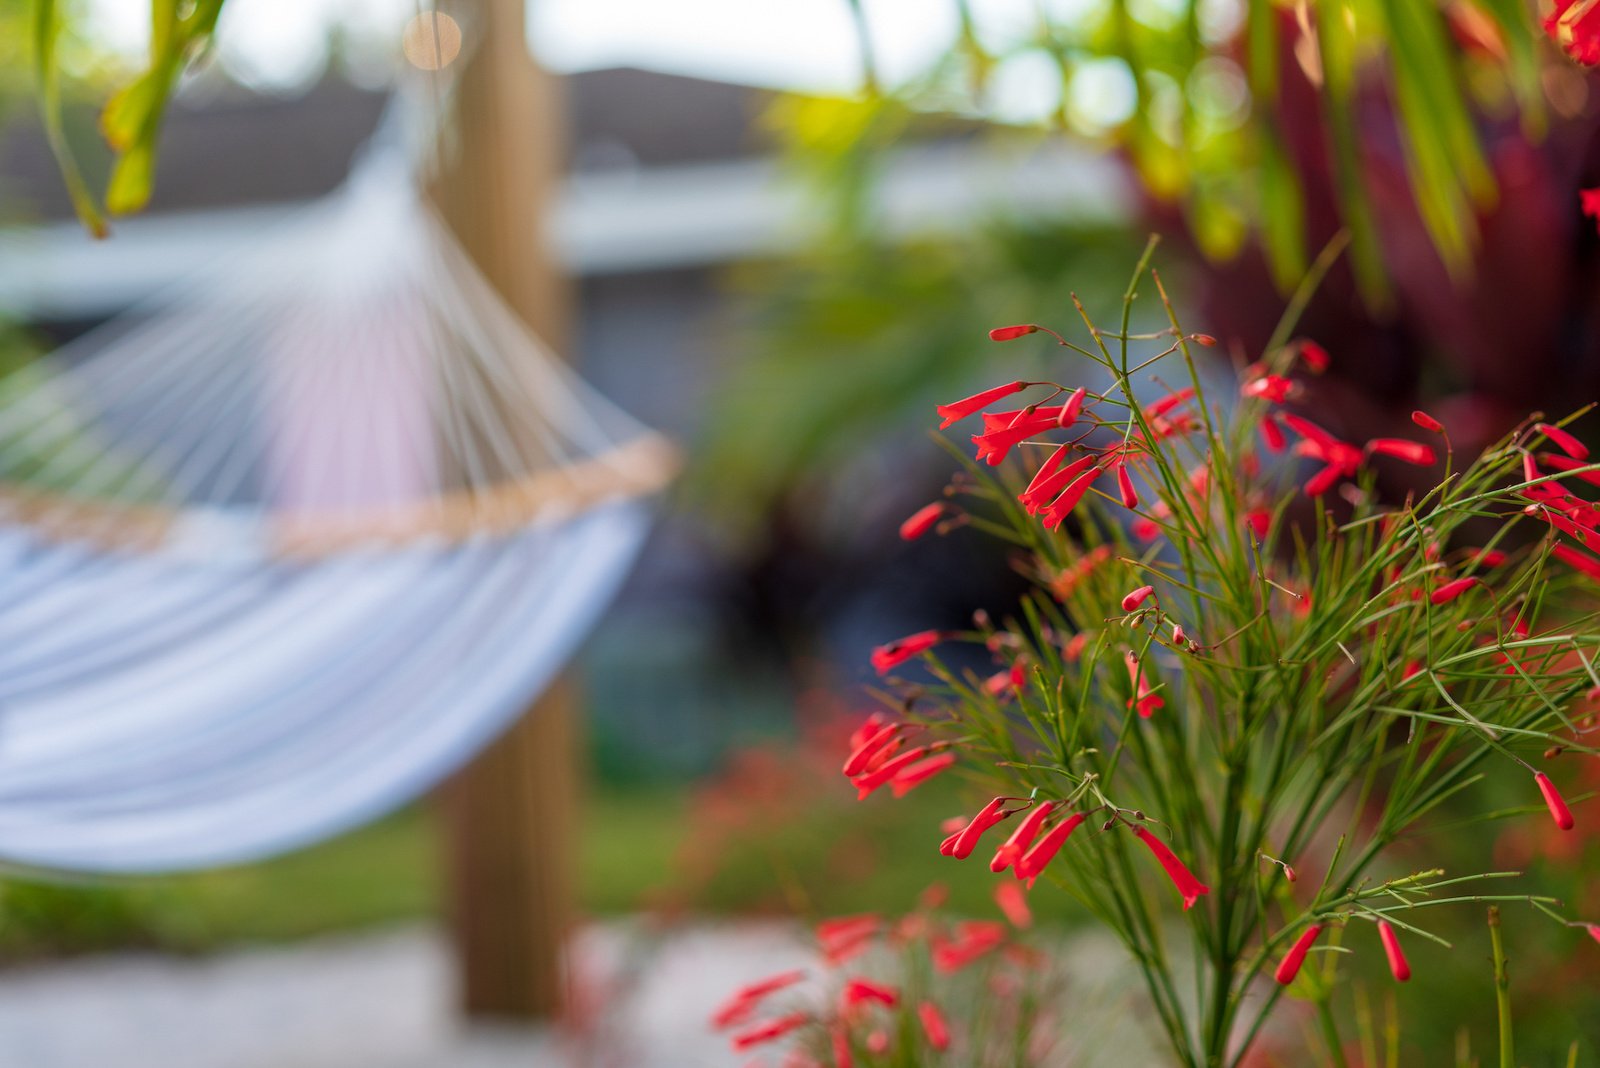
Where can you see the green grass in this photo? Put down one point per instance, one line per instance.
(390, 872)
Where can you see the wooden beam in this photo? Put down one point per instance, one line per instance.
(510, 818)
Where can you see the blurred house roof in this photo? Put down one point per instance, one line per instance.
(665, 172)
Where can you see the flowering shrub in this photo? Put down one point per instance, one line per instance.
(884, 990)
(1243, 674)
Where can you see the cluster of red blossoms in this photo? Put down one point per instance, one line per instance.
(1575, 26)
(861, 1015)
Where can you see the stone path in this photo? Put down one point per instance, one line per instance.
(385, 1000)
(373, 1001)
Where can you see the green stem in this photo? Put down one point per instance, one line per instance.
(1502, 990)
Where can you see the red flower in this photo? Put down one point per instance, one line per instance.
(1589, 202)
(974, 939)
(1575, 26)
(843, 938)
(1273, 433)
(870, 746)
(1487, 558)
(934, 1026)
(1130, 499)
(967, 405)
(1451, 590)
(967, 839)
(887, 657)
(881, 773)
(1315, 356)
(743, 1002)
(1021, 838)
(1260, 523)
(1069, 410)
(1273, 388)
(841, 1048)
(1182, 878)
(1554, 801)
(911, 776)
(1069, 498)
(1427, 422)
(1032, 863)
(1148, 702)
(1045, 487)
(922, 520)
(1290, 967)
(857, 991)
(1011, 333)
(1412, 452)
(1584, 562)
(1563, 441)
(1014, 903)
(769, 1031)
(1138, 597)
(1397, 957)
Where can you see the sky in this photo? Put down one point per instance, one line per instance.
(804, 44)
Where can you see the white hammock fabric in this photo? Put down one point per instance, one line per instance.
(284, 548)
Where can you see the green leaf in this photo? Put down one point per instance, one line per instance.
(46, 32)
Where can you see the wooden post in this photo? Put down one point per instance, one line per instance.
(510, 817)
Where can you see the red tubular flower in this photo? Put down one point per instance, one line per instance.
(1169, 402)
(1273, 388)
(1021, 838)
(1074, 405)
(1272, 433)
(1575, 26)
(1148, 702)
(1563, 441)
(1032, 863)
(869, 746)
(1487, 558)
(890, 769)
(1130, 498)
(1567, 463)
(934, 1026)
(1589, 202)
(1290, 967)
(1182, 878)
(922, 520)
(1324, 480)
(769, 1031)
(847, 936)
(987, 817)
(1398, 965)
(1583, 561)
(1138, 597)
(1554, 801)
(1259, 521)
(1426, 421)
(842, 1058)
(744, 1001)
(967, 405)
(1044, 487)
(887, 657)
(1011, 333)
(1064, 504)
(1412, 452)
(1451, 590)
(1315, 356)
(1594, 930)
(1014, 903)
(911, 776)
(974, 939)
(857, 991)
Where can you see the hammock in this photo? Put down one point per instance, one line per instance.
(283, 548)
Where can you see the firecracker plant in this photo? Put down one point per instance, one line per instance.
(921, 988)
(1242, 675)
